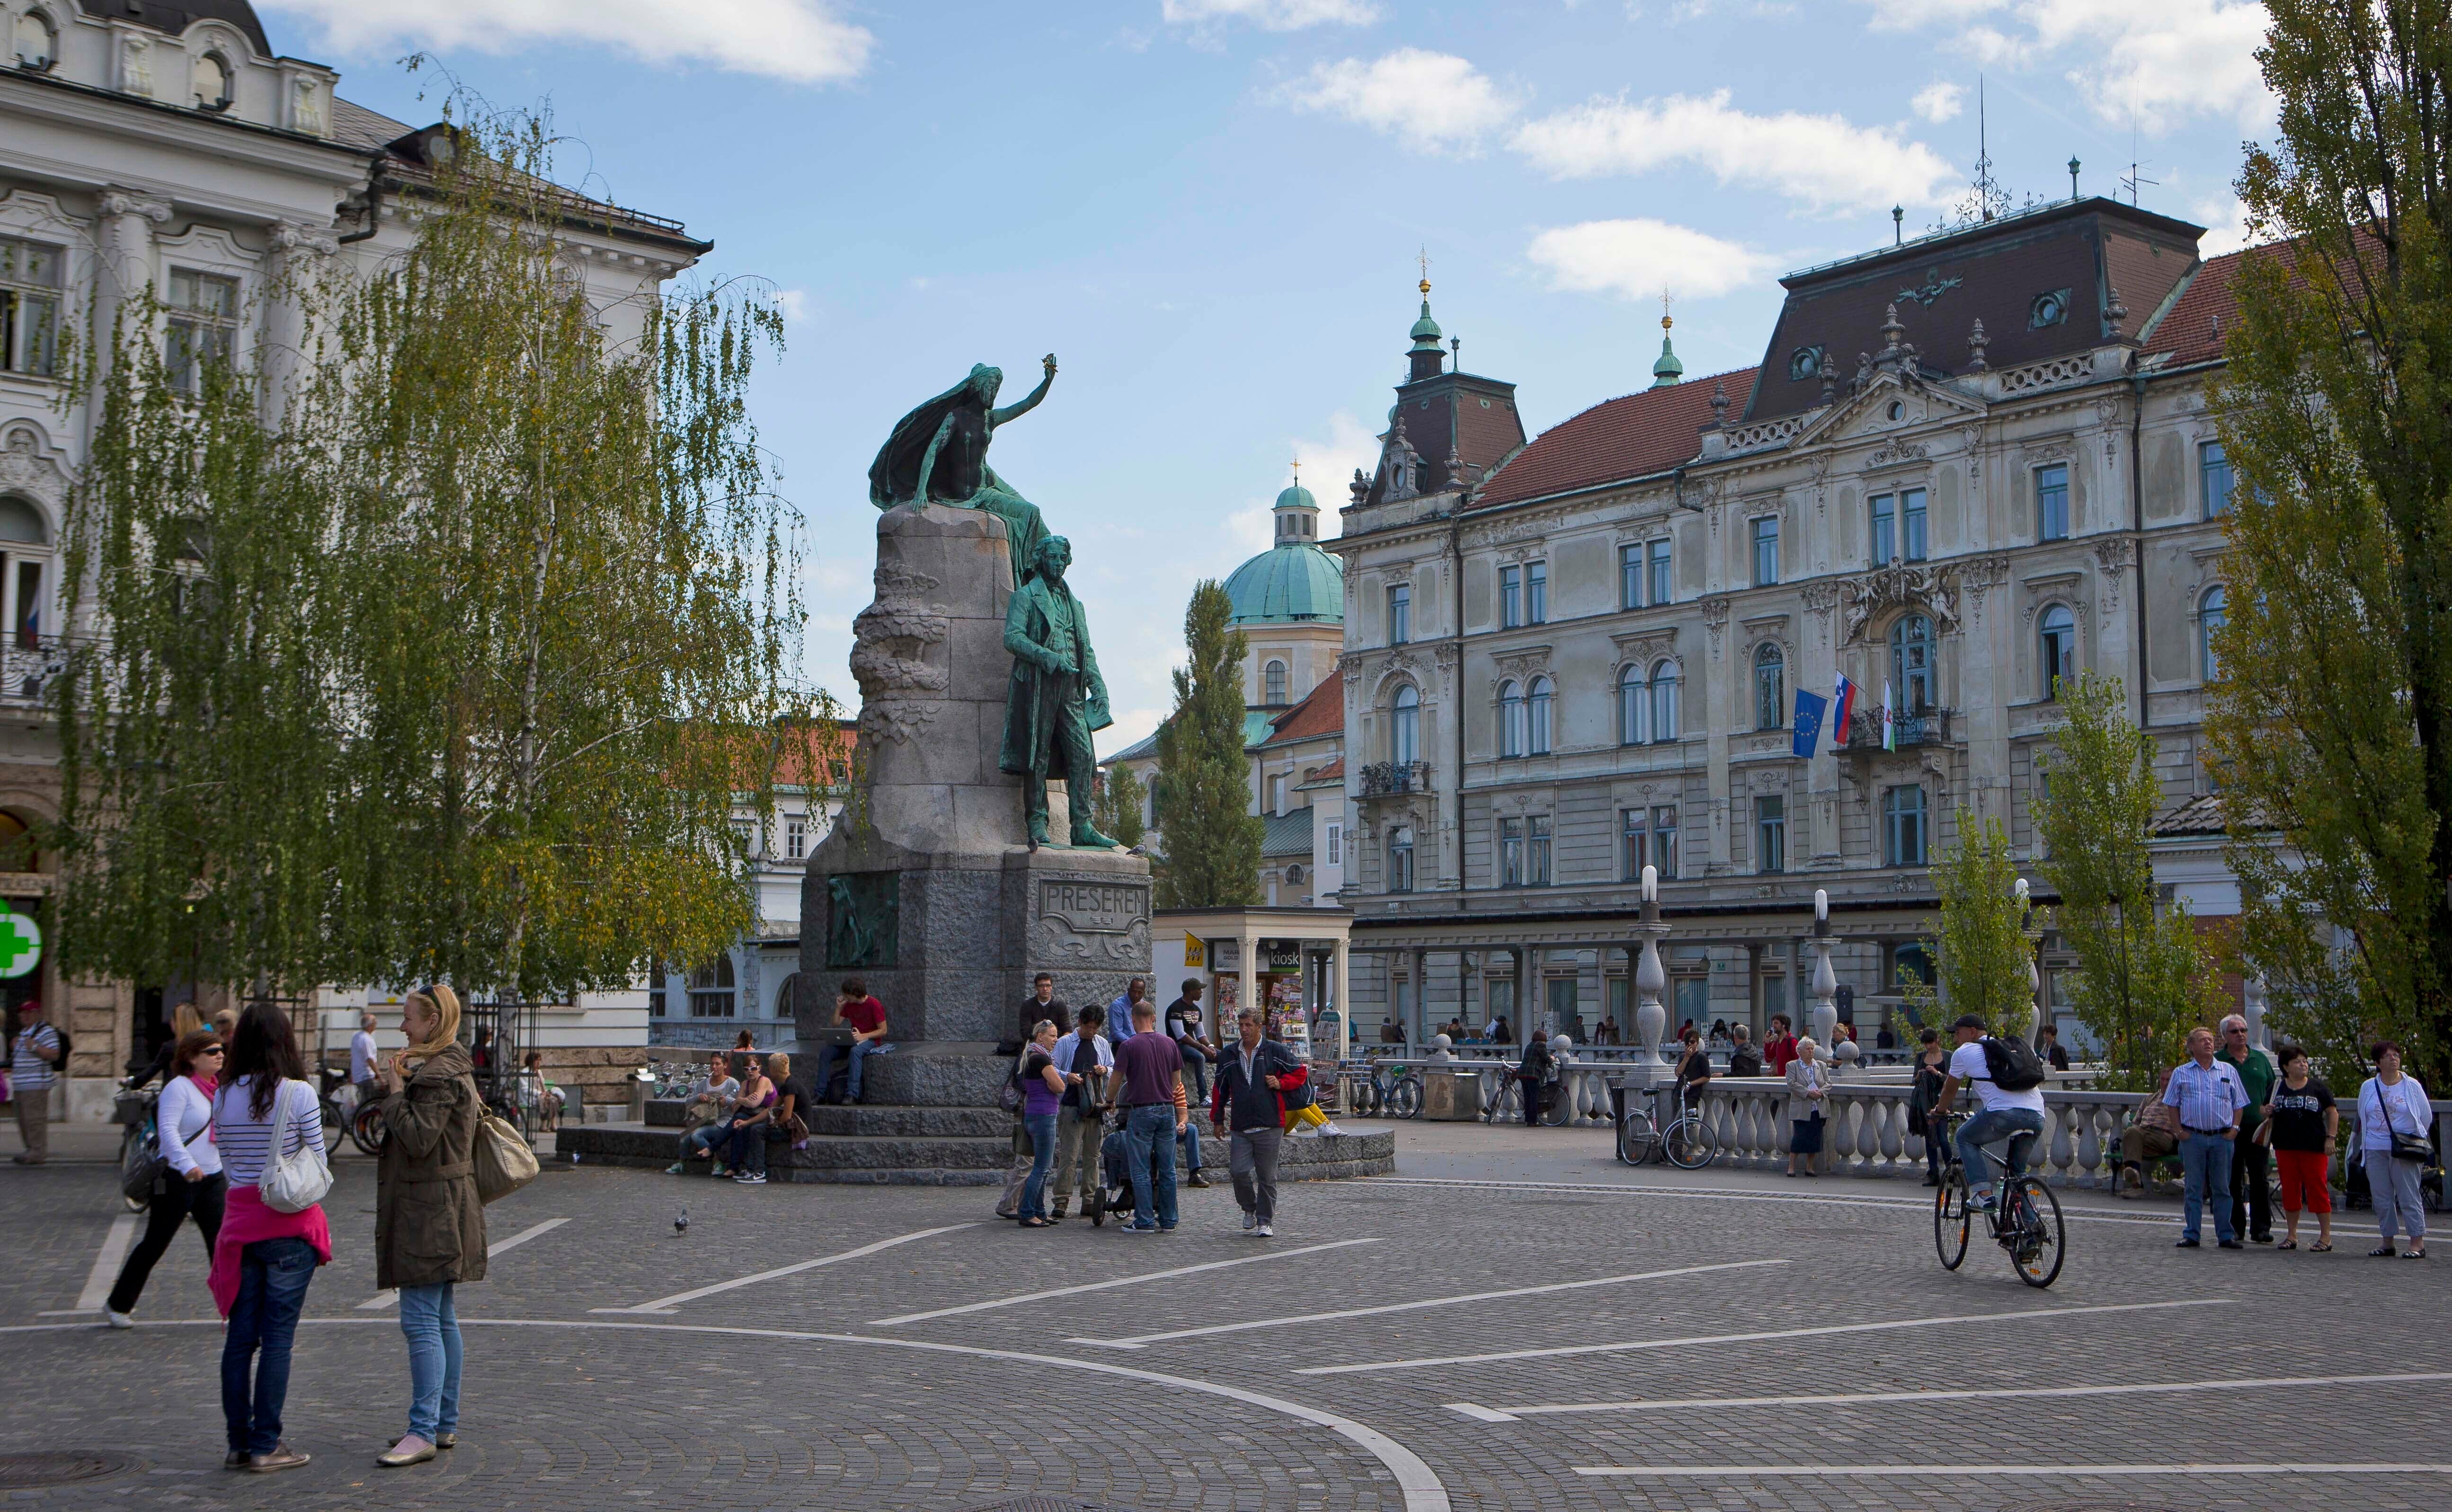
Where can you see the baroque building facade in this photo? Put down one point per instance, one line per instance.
(1967, 466)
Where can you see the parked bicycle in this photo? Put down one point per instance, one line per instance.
(1376, 1090)
(1688, 1143)
(2024, 1218)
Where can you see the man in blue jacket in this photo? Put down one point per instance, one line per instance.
(1247, 1100)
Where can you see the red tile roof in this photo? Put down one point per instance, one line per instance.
(2191, 330)
(1321, 712)
(1334, 772)
(1634, 436)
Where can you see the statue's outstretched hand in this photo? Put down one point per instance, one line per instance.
(1048, 362)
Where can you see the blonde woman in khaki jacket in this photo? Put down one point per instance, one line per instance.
(429, 1224)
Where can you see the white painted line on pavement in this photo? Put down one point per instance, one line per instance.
(1915, 1205)
(2074, 1472)
(665, 1305)
(1127, 1281)
(385, 1299)
(107, 1261)
(1627, 1345)
(1482, 1414)
(1142, 1340)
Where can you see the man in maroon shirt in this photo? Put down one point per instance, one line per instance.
(1779, 1047)
(1149, 1073)
(865, 1017)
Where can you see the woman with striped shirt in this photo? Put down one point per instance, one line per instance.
(263, 1260)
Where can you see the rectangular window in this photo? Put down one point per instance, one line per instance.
(1660, 593)
(1770, 834)
(1510, 853)
(204, 324)
(1629, 576)
(1401, 614)
(1886, 528)
(1766, 551)
(1663, 840)
(1336, 855)
(2051, 502)
(1911, 523)
(1636, 836)
(1536, 862)
(1537, 593)
(1400, 860)
(29, 307)
(1903, 826)
(795, 837)
(2213, 468)
(28, 606)
(1511, 598)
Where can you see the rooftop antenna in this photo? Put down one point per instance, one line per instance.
(2134, 179)
(1990, 198)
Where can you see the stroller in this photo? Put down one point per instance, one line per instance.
(1113, 1190)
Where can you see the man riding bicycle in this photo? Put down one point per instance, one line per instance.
(2000, 1111)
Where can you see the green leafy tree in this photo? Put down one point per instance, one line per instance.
(2143, 979)
(1119, 806)
(1982, 953)
(1212, 840)
(511, 603)
(2336, 409)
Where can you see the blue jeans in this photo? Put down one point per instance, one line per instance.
(433, 1332)
(861, 1050)
(1990, 1127)
(272, 1277)
(747, 1151)
(1043, 1160)
(1149, 1143)
(1192, 1143)
(2204, 1161)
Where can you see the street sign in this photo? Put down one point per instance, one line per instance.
(1194, 958)
(21, 945)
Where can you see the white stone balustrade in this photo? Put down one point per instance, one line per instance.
(1866, 1132)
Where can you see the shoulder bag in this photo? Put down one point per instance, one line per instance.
(291, 1184)
(504, 1160)
(2419, 1146)
(143, 1164)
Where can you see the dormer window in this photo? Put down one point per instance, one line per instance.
(38, 45)
(212, 81)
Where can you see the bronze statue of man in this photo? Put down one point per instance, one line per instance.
(1056, 696)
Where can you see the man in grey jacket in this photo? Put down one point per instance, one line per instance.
(1247, 1099)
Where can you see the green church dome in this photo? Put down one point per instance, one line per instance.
(1292, 582)
(1297, 497)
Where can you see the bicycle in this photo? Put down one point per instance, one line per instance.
(1688, 1143)
(2025, 1217)
(1377, 1095)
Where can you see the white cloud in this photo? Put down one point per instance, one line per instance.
(2225, 223)
(1328, 466)
(1433, 101)
(1904, 15)
(2151, 65)
(1639, 258)
(1822, 162)
(800, 41)
(1271, 15)
(1940, 102)
(794, 304)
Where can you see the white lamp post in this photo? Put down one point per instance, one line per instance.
(1825, 982)
(1651, 979)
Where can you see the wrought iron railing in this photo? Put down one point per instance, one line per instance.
(1381, 777)
(1930, 726)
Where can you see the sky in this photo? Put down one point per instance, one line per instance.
(1211, 212)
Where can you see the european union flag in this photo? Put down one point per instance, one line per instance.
(1808, 720)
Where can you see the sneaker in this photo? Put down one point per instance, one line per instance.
(1264, 1231)
(1135, 1229)
(1982, 1199)
(1329, 1128)
(1059, 1207)
(748, 1178)
(117, 1319)
(281, 1458)
(720, 1170)
(1249, 1218)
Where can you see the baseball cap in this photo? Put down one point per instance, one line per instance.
(1968, 1021)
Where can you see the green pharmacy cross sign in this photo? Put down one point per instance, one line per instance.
(21, 944)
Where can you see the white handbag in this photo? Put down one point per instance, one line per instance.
(294, 1183)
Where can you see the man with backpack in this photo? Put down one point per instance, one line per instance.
(2006, 1078)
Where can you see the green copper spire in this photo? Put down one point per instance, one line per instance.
(1426, 330)
(1666, 372)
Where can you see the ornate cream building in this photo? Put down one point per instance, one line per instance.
(1965, 466)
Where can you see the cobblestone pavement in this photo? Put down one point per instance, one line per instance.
(815, 1389)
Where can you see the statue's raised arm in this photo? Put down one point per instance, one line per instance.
(1031, 402)
(937, 454)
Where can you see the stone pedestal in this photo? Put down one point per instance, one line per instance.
(925, 888)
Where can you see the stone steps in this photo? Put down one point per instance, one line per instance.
(912, 1121)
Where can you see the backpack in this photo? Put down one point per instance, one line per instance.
(2013, 1063)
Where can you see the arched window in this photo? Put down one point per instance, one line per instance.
(21, 522)
(1633, 708)
(1273, 683)
(2213, 612)
(17, 853)
(2056, 648)
(1294, 875)
(212, 80)
(1664, 702)
(1539, 744)
(1510, 719)
(1911, 664)
(1771, 688)
(37, 43)
(1404, 725)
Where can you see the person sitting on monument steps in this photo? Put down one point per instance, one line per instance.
(866, 1017)
(1056, 698)
(1041, 1003)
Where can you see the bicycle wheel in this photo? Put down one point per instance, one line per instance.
(1405, 1098)
(2037, 1246)
(1952, 1222)
(1636, 1137)
(1692, 1144)
(367, 1129)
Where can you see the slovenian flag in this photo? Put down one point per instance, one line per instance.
(1890, 720)
(1843, 703)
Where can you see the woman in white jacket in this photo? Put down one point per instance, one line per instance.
(192, 1187)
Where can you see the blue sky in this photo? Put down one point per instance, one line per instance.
(1209, 210)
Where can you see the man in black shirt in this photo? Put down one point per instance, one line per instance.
(1041, 1003)
(1744, 1060)
(1184, 1025)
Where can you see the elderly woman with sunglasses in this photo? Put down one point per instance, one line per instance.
(192, 1185)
